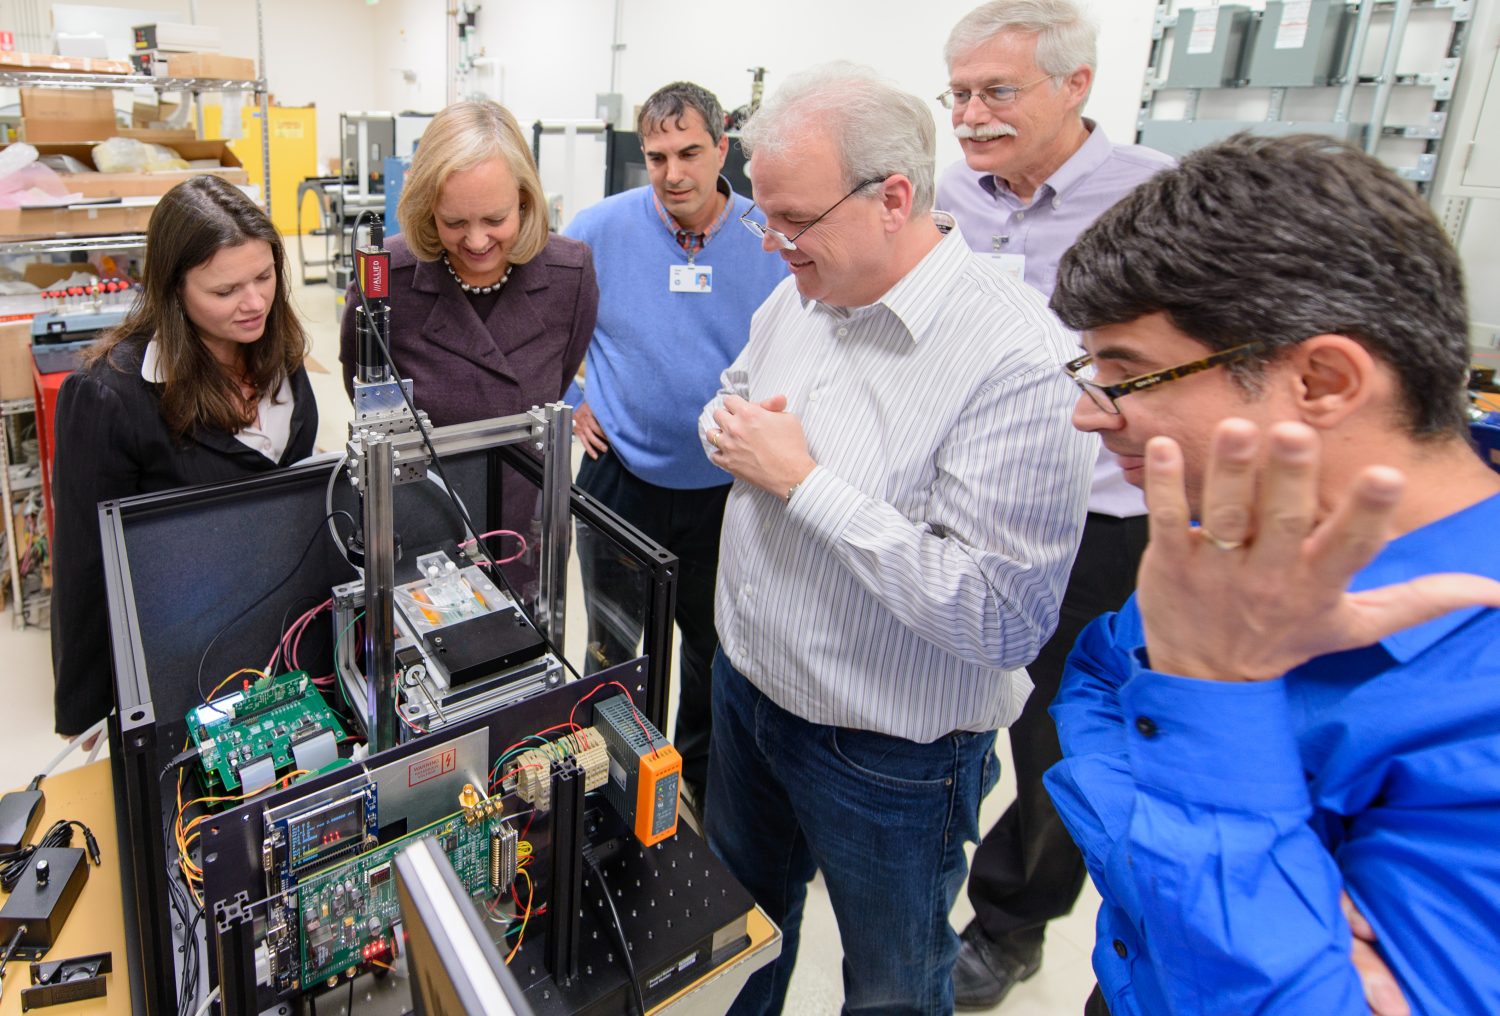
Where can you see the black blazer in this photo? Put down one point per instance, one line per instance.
(111, 442)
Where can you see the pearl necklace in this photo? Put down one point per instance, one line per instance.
(493, 287)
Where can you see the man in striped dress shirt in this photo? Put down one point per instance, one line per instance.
(908, 498)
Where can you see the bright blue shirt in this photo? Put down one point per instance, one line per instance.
(656, 356)
(1220, 821)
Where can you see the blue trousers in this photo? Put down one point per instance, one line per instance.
(883, 818)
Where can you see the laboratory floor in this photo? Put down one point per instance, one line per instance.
(1059, 989)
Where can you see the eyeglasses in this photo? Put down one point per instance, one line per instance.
(761, 230)
(1082, 372)
(993, 96)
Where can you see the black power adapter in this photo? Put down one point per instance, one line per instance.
(20, 810)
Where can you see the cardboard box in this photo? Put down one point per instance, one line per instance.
(143, 114)
(67, 114)
(45, 274)
(39, 131)
(172, 137)
(74, 220)
(15, 360)
(126, 185)
(70, 64)
(68, 103)
(206, 65)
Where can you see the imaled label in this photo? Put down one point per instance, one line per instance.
(431, 767)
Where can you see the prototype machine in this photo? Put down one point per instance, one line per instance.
(463, 646)
(417, 699)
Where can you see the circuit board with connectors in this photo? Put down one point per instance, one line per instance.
(275, 726)
(342, 919)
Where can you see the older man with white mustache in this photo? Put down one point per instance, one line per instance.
(1035, 175)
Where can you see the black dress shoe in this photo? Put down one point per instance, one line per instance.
(985, 972)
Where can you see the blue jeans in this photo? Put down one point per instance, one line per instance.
(884, 819)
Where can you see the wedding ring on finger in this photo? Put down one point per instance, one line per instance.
(1218, 543)
(713, 437)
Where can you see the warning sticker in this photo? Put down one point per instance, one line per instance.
(1292, 32)
(431, 767)
(1205, 30)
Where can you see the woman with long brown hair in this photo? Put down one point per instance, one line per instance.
(202, 382)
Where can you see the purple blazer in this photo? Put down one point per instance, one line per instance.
(464, 369)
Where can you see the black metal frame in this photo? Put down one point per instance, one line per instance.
(656, 562)
(233, 879)
(140, 755)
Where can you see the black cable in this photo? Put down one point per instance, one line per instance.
(493, 568)
(288, 613)
(10, 950)
(635, 983)
(264, 596)
(187, 991)
(186, 756)
(181, 902)
(13, 864)
(192, 971)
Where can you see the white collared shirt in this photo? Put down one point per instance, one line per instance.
(920, 566)
(272, 429)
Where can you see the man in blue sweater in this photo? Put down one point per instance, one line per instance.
(676, 292)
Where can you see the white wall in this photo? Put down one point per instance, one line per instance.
(409, 62)
(317, 51)
(555, 56)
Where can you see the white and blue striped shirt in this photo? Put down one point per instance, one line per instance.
(920, 566)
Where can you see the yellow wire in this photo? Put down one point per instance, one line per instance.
(187, 835)
(530, 892)
(243, 670)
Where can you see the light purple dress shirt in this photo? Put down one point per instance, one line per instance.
(994, 221)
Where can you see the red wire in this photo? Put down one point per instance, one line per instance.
(294, 629)
(306, 623)
(539, 733)
(634, 712)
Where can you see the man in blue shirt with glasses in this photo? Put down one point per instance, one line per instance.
(1303, 698)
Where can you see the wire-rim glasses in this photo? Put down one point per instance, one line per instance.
(761, 230)
(993, 96)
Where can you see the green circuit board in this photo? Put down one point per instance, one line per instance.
(261, 724)
(345, 914)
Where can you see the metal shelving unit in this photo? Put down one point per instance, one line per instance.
(123, 241)
(9, 409)
(68, 245)
(1221, 51)
(60, 79)
(196, 86)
